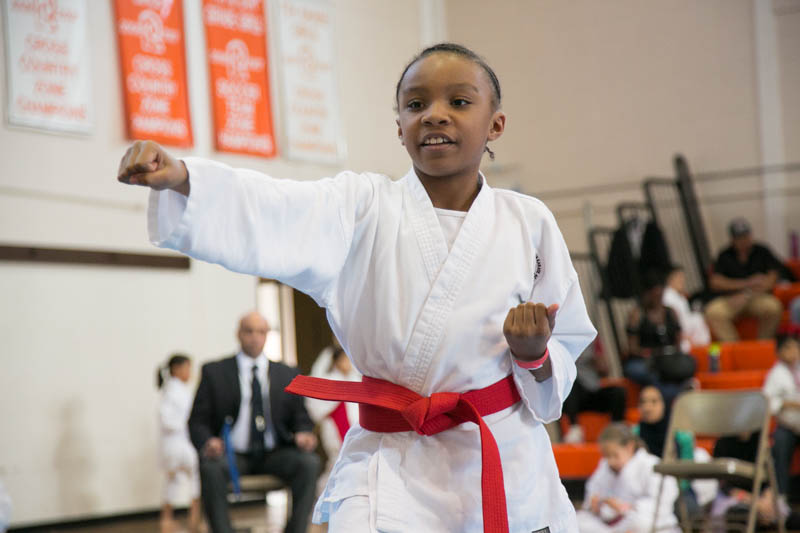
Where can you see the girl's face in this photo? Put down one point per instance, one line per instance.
(651, 405)
(183, 371)
(617, 454)
(790, 352)
(446, 115)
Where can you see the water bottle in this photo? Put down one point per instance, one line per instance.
(713, 357)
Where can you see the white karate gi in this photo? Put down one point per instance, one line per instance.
(371, 251)
(178, 456)
(635, 484)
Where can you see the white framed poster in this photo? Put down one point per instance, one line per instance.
(307, 72)
(48, 76)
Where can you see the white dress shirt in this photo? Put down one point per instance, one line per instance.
(240, 432)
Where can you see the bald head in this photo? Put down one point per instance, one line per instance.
(253, 329)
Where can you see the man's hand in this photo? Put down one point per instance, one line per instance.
(527, 329)
(148, 164)
(305, 440)
(214, 448)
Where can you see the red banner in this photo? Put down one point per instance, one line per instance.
(153, 61)
(236, 41)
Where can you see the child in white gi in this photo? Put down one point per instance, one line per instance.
(443, 292)
(621, 494)
(782, 387)
(178, 456)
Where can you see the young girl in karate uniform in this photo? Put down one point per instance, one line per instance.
(443, 292)
(178, 456)
(621, 494)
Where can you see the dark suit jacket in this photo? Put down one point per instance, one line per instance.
(218, 396)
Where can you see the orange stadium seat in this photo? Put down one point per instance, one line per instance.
(741, 355)
(794, 266)
(787, 292)
(752, 355)
(747, 327)
(576, 461)
(733, 380)
(700, 353)
(707, 443)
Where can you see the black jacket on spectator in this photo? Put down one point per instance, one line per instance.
(623, 271)
(219, 395)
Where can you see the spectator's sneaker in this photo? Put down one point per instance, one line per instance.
(574, 435)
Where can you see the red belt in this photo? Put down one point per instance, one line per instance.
(386, 408)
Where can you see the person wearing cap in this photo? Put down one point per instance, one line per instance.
(743, 278)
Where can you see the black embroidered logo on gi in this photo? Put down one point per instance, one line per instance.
(536, 274)
(543, 530)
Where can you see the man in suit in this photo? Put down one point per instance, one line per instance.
(270, 428)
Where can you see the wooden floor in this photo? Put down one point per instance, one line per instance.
(252, 518)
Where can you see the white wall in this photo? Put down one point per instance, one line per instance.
(80, 344)
(607, 92)
(788, 26)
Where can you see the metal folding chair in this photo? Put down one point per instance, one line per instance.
(719, 414)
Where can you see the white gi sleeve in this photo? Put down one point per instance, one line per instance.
(296, 232)
(172, 416)
(640, 518)
(556, 282)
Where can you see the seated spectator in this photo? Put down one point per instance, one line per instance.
(743, 278)
(693, 324)
(652, 430)
(654, 356)
(589, 395)
(270, 430)
(782, 389)
(654, 424)
(621, 494)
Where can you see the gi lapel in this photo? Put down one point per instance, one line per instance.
(426, 225)
(446, 272)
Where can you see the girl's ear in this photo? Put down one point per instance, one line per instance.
(497, 125)
(399, 132)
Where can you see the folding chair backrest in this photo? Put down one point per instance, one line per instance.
(719, 413)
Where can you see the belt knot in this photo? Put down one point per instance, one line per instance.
(429, 415)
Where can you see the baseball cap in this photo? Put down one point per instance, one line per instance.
(738, 227)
